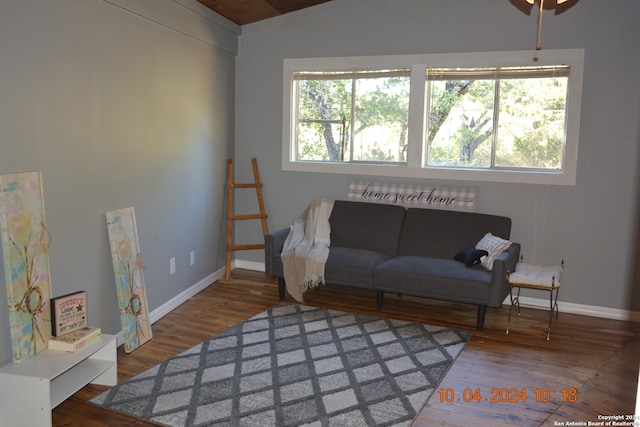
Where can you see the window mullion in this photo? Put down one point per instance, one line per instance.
(496, 116)
(353, 119)
(296, 119)
(417, 105)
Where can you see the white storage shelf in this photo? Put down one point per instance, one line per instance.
(31, 389)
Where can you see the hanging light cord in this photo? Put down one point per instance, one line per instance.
(538, 45)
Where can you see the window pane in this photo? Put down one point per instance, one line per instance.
(461, 123)
(323, 111)
(531, 131)
(353, 116)
(381, 119)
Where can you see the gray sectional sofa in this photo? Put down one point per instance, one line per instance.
(387, 248)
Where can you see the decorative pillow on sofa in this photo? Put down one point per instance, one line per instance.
(470, 255)
(494, 245)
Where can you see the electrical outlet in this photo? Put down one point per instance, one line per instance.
(192, 258)
(172, 266)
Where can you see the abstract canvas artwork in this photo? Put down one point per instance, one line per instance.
(25, 250)
(127, 268)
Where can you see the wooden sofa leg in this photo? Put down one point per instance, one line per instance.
(281, 288)
(482, 310)
(379, 298)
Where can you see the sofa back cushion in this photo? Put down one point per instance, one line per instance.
(370, 226)
(441, 234)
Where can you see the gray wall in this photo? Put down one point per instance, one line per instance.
(119, 104)
(590, 225)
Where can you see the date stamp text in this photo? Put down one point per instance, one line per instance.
(515, 395)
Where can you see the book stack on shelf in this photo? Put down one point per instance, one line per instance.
(75, 340)
(69, 329)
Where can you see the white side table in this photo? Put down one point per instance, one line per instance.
(31, 389)
(538, 277)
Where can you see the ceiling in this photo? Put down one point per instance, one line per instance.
(247, 11)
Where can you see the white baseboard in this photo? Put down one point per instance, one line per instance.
(184, 296)
(539, 303)
(582, 309)
(249, 265)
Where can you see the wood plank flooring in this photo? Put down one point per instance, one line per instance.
(588, 368)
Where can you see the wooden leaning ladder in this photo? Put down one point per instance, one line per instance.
(231, 185)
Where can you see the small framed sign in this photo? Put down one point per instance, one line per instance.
(68, 313)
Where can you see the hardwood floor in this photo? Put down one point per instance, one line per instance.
(588, 368)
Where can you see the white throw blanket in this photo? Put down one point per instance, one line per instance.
(306, 248)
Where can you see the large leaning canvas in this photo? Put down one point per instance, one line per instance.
(127, 268)
(25, 251)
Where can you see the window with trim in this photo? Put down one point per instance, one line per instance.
(352, 116)
(507, 117)
(478, 116)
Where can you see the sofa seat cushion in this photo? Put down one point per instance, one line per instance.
(433, 278)
(352, 267)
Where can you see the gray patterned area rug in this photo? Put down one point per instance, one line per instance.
(296, 365)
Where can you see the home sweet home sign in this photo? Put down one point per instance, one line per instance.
(415, 196)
